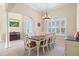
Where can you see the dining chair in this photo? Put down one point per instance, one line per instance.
(29, 45)
(51, 40)
(43, 44)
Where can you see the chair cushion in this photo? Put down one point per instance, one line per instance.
(32, 44)
(43, 42)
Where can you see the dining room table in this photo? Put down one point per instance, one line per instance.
(38, 38)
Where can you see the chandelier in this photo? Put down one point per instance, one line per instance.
(46, 17)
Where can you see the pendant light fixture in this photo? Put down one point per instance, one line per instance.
(46, 17)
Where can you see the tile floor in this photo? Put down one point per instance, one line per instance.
(17, 49)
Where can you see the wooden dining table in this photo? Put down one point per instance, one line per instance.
(38, 38)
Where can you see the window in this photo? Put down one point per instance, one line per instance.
(57, 25)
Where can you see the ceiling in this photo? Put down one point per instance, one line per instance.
(42, 6)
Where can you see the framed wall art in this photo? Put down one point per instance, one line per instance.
(14, 23)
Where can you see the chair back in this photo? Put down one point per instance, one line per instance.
(52, 38)
(44, 41)
(26, 41)
(29, 42)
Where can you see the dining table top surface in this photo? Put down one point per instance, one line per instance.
(38, 37)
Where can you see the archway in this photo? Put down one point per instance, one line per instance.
(29, 25)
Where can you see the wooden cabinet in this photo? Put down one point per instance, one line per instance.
(14, 36)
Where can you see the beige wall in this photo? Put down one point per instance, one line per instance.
(68, 11)
(25, 10)
(77, 22)
(18, 18)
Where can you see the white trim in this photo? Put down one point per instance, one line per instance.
(27, 19)
(7, 43)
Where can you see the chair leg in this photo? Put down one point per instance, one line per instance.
(37, 51)
(25, 50)
(54, 44)
(50, 45)
(43, 51)
(29, 52)
(47, 48)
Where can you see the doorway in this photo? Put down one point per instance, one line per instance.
(29, 25)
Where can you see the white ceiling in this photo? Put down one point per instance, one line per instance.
(42, 6)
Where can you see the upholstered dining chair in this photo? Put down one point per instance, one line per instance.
(43, 44)
(29, 45)
(51, 41)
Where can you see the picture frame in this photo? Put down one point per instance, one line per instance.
(14, 23)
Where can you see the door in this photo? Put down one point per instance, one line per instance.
(29, 25)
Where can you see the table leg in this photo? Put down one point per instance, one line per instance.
(37, 51)
(38, 48)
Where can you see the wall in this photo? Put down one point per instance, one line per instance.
(18, 17)
(25, 10)
(68, 11)
(77, 22)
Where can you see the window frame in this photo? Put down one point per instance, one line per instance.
(57, 19)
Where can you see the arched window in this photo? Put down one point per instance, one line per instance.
(57, 25)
